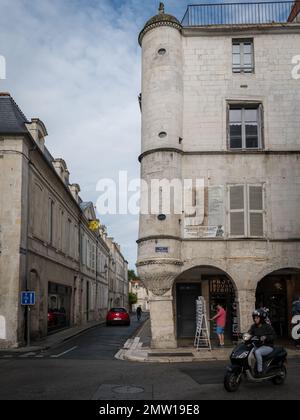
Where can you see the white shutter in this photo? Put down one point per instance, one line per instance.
(237, 210)
(256, 211)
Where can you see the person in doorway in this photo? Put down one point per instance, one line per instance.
(220, 319)
(265, 335)
(139, 313)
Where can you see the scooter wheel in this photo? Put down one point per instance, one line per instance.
(232, 381)
(279, 380)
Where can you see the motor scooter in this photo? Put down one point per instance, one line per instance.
(243, 365)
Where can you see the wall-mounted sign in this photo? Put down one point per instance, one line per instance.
(162, 249)
(94, 225)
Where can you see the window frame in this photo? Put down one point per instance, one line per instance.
(243, 106)
(243, 69)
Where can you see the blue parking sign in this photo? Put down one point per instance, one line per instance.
(28, 298)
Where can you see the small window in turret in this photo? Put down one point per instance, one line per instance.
(162, 135)
(161, 51)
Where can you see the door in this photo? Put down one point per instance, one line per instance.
(187, 294)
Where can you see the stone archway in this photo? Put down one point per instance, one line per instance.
(277, 290)
(216, 286)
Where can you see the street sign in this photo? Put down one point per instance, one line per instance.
(28, 298)
(163, 249)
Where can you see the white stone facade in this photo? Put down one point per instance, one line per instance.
(46, 242)
(186, 92)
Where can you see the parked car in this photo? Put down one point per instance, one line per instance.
(56, 319)
(117, 316)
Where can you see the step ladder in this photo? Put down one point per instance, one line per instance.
(202, 336)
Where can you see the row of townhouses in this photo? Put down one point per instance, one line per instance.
(221, 103)
(50, 240)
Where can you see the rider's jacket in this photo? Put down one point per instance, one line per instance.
(264, 330)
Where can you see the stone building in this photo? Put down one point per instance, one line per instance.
(137, 287)
(220, 104)
(118, 277)
(50, 241)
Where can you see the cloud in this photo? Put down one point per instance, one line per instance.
(75, 64)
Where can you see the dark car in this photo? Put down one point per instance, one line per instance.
(117, 316)
(56, 319)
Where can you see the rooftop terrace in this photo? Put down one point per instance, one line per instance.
(241, 13)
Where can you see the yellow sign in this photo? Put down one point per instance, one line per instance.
(94, 225)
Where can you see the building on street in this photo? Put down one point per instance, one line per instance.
(137, 287)
(220, 105)
(50, 240)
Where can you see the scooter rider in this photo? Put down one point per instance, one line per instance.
(266, 336)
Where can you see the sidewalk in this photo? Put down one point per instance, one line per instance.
(137, 349)
(55, 339)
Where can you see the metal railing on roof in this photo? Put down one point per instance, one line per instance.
(238, 13)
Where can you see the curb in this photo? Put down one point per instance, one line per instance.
(54, 344)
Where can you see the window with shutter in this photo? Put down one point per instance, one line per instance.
(246, 209)
(237, 210)
(256, 210)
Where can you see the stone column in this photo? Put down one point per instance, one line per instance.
(246, 301)
(162, 321)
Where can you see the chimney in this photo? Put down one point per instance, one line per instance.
(62, 170)
(38, 131)
(75, 190)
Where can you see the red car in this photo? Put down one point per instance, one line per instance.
(117, 316)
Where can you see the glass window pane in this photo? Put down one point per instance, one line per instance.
(251, 136)
(252, 143)
(236, 59)
(251, 115)
(247, 59)
(248, 48)
(235, 136)
(236, 48)
(235, 115)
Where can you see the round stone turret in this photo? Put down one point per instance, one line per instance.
(162, 19)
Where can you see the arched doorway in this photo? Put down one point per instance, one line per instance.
(215, 286)
(277, 291)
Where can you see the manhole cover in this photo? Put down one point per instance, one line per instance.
(128, 390)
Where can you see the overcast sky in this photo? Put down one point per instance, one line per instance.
(75, 64)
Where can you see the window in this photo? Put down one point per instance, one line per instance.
(245, 127)
(246, 203)
(242, 56)
(50, 220)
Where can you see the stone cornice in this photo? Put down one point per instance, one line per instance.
(217, 152)
(156, 24)
(160, 261)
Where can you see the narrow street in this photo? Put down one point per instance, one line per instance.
(84, 368)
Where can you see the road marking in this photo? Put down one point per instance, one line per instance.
(65, 352)
(28, 354)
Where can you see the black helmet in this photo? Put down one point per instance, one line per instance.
(261, 313)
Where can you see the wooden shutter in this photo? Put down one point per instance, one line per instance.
(256, 210)
(237, 210)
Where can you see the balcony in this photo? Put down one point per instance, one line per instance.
(241, 13)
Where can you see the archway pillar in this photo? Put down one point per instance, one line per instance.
(162, 321)
(246, 300)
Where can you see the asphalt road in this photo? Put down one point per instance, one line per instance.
(84, 368)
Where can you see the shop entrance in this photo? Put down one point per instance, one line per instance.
(277, 292)
(216, 287)
(186, 311)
